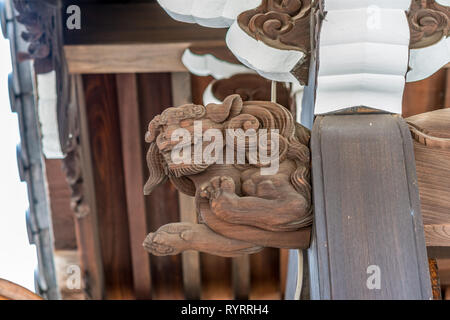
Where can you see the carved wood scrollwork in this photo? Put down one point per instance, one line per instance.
(279, 23)
(36, 16)
(240, 209)
(282, 24)
(74, 177)
(429, 23)
(43, 23)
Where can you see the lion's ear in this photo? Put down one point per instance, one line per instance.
(156, 168)
(153, 129)
(231, 107)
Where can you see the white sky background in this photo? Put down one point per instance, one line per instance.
(17, 256)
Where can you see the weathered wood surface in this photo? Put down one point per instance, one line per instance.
(182, 94)
(240, 206)
(281, 31)
(431, 133)
(63, 219)
(130, 38)
(79, 172)
(154, 94)
(106, 153)
(444, 271)
(367, 210)
(215, 271)
(429, 22)
(132, 58)
(12, 291)
(133, 159)
(265, 275)
(427, 95)
(132, 22)
(435, 282)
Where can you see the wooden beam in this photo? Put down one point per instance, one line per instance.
(181, 94)
(132, 22)
(113, 58)
(107, 169)
(86, 225)
(133, 159)
(367, 210)
(63, 219)
(444, 271)
(265, 275)
(240, 270)
(426, 95)
(155, 95)
(131, 37)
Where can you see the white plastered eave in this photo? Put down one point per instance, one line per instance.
(47, 103)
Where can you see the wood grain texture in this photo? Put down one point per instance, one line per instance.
(215, 271)
(154, 92)
(367, 210)
(433, 171)
(106, 151)
(444, 271)
(133, 22)
(241, 277)
(62, 215)
(182, 94)
(133, 156)
(283, 265)
(81, 179)
(265, 275)
(447, 88)
(435, 282)
(429, 22)
(130, 38)
(130, 58)
(431, 133)
(12, 291)
(283, 27)
(190, 259)
(237, 202)
(427, 95)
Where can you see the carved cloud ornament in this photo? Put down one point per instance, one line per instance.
(208, 13)
(272, 37)
(429, 23)
(240, 209)
(279, 29)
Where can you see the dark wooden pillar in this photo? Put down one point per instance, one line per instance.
(368, 224)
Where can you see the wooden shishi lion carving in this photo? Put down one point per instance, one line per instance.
(240, 210)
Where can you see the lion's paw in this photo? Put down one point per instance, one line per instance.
(168, 240)
(218, 186)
